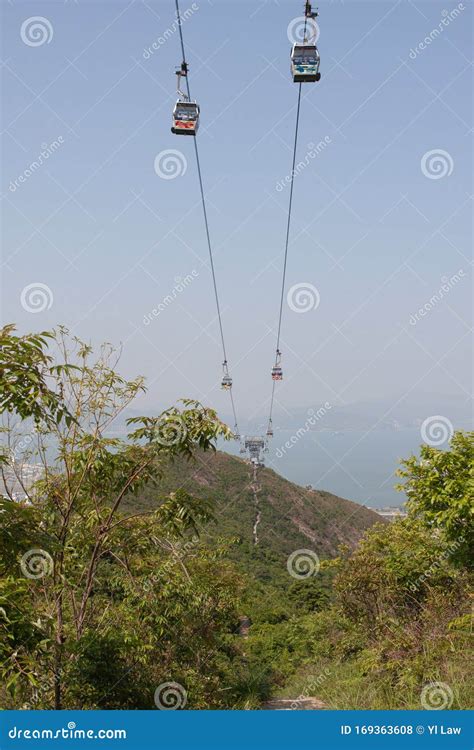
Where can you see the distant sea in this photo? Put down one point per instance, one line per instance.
(352, 464)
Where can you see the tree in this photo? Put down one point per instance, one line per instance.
(89, 573)
(25, 368)
(440, 490)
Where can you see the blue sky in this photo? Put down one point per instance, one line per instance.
(371, 232)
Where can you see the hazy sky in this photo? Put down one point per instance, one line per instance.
(379, 220)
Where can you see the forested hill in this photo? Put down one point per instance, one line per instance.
(289, 517)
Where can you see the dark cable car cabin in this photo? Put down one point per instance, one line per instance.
(305, 62)
(185, 118)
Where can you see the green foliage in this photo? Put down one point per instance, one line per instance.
(25, 368)
(125, 600)
(440, 489)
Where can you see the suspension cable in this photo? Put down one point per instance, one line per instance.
(285, 260)
(288, 225)
(206, 222)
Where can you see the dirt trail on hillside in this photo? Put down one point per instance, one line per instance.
(255, 487)
(294, 704)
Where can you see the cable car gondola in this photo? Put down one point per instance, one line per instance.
(226, 382)
(305, 58)
(185, 118)
(185, 113)
(270, 429)
(305, 62)
(277, 372)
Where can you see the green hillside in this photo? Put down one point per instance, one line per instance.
(290, 517)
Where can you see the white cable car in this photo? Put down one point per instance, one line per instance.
(226, 382)
(270, 429)
(185, 118)
(305, 62)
